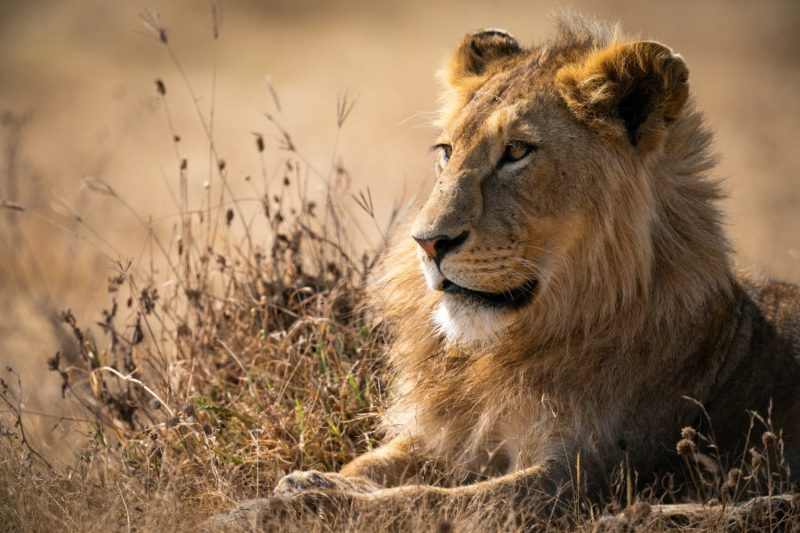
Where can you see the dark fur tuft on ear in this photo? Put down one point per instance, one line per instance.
(635, 89)
(477, 52)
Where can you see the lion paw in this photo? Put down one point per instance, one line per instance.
(300, 481)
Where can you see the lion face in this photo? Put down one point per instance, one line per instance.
(534, 149)
(500, 217)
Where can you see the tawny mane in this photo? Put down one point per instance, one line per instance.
(654, 262)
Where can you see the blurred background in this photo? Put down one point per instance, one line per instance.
(78, 99)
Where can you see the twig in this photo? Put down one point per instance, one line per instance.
(147, 389)
(239, 362)
(18, 420)
(125, 505)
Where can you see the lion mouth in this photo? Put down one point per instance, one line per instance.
(510, 298)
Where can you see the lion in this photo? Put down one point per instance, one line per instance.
(566, 298)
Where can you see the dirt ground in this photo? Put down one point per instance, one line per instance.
(78, 98)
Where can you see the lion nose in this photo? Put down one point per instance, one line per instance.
(438, 246)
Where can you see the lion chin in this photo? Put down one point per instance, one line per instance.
(467, 323)
(463, 319)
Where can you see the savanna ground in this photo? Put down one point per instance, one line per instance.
(182, 263)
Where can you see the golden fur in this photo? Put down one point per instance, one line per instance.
(611, 216)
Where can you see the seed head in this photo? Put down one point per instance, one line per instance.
(99, 186)
(685, 448)
(734, 475)
(53, 362)
(755, 458)
(216, 17)
(152, 21)
(688, 433)
(728, 490)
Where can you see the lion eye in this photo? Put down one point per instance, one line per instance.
(515, 150)
(445, 150)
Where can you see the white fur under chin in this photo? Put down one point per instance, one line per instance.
(461, 321)
(467, 323)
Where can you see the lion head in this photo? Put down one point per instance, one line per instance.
(569, 175)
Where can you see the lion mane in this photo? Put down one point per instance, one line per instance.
(639, 314)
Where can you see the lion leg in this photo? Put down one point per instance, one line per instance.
(520, 500)
(389, 465)
(385, 466)
(550, 482)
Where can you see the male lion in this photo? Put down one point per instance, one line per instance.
(567, 296)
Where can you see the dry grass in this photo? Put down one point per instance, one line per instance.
(237, 353)
(238, 349)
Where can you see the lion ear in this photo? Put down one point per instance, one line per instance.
(636, 89)
(476, 53)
